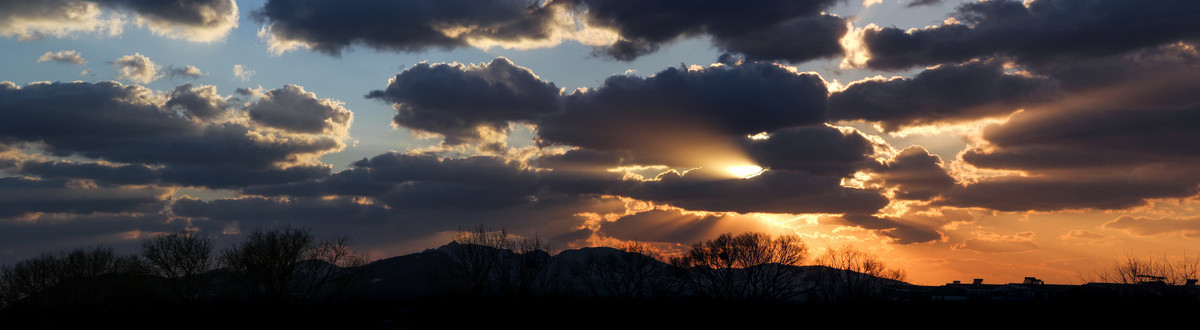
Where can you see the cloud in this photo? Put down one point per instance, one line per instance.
(1038, 32)
(191, 136)
(944, 94)
(770, 30)
(684, 116)
(32, 20)
(1188, 227)
(987, 242)
(201, 102)
(899, 230)
(242, 73)
(137, 68)
(64, 57)
(186, 71)
(918, 3)
(463, 103)
(193, 20)
(293, 109)
(23, 196)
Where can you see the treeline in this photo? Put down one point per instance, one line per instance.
(290, 268)
(281, 265)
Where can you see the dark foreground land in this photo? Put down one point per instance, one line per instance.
(591, 314)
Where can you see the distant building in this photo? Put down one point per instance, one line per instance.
(1033, 289)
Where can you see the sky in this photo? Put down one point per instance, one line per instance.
(954, 139)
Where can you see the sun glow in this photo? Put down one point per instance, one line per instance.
(746, 172)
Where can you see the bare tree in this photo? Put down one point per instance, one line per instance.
(1130, 269)
(855, 276)
(332, 268)
(750, 266)
(283, 264)
(478, 256)
(181, 260)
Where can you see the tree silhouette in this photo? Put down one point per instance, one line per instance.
(633, 274)
(1130, 269)
(856, 276)
(492, 262)
(64, 280)
(283, 264)
(181, 260)
(750, 266)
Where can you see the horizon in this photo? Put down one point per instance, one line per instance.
(954, 139)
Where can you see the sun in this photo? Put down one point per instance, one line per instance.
(747, 171)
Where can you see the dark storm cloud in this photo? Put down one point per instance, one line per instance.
(652, 116)
(22, 196)
(1063, 193)
(1095, 136)
(134, 125)
(409, 26)
(821, 150)
(582, 160)
(101, 173)
(190, 13)
(794, 31)
(293, 109)
(61, 232)
(770, 192)
(1093, 158)
(896, 229)
(916, 174)
(795, 40)
(418, 182)
(457, 100)
(1045, 31)
(1160, 76)
(944, 94)
(254, 211)
(678, 227)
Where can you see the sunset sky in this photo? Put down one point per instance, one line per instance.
(955, 139)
